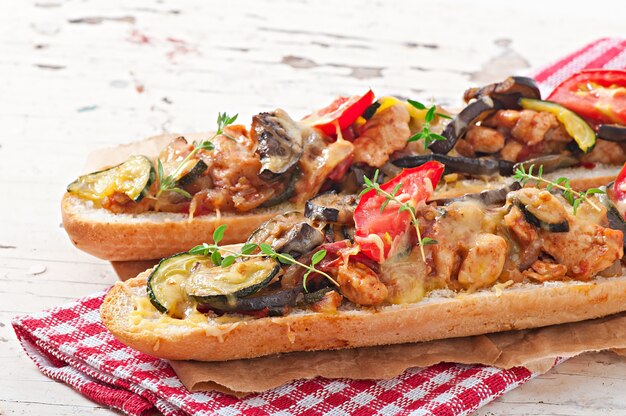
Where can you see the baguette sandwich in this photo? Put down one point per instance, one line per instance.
(391, 266)
(152, 207)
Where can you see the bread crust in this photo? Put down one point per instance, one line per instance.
(526, 306)
(123, 237)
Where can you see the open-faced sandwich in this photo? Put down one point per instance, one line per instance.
(389, 266)
(151, 207)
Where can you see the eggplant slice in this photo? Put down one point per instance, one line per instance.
(616, 221)
(469, 116)
(267, 299)
(280, 143)
(290, 233)
(545, 219)
(508, 92)
(488, 197)
(331, 207)
(460, 164)
(612, 132)
(550, 163)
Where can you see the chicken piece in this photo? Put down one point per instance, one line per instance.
(511, 151)
(361, 285)
(523, 232)
(586, 249)
(385, 133)
(405, 277)
(558, 134)
(503, 118)
(543, 271)
(484, 139)
(532, 126)
(607, 152)
(484, 262)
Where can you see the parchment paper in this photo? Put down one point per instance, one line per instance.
(535, 349)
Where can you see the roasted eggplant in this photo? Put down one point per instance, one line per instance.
(612, 132)
(488, 197)
(133, 178)
(267, 299)
(508, 92)
(280, 143)
(331, 207)
(469, 116)
(460, 164)
(550, 163)
(290, 233)
(290, 191)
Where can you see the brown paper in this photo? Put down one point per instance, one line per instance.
(535, 349)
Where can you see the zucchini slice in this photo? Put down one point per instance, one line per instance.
(133, 178)
(208, 283)
(182, 276)
(576, 127)
(167, 280)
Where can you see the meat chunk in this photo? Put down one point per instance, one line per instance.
(543, 271)
(586, 249)
(485, 140)
(361, 285)
(503, 118)
(610, 153)
(532, 126)
(385, 133)
(484, 262)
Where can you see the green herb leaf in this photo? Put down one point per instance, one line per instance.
(317, 257)
(430, 114)
(593, 191)
(417, 104)
(248, 248)
(285, 258)
(228, 260)
(216, 258)
(180, 192)
(201, 250)
(218, 234)
(444, 116)
(428, 241)
(267, 249)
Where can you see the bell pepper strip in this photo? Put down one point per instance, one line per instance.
(380, 233)
(598, 95)
(575, 126)
(342, 112)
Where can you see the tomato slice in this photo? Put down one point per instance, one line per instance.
(597, 94)
(381, 234)
(343, 111)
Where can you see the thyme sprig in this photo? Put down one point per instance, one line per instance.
(573, 197)
(169, 182)
(249, 250)
(372, 184)
(427, 135)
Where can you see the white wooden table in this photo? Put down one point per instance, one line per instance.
(75, 76)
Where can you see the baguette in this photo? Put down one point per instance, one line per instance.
(124, 237)
(128, 314)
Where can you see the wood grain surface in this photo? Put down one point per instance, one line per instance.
(78, 75)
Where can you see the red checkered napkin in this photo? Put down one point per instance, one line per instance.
(70, 344)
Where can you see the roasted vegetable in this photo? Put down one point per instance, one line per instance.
(508, 92)
(280, 143)
(133, 178)
(469, 116)
(267, 299)
(549, 163)
(209, 283)
(460, 164)
(331, 207)
(575, 126)
(616, 221)
(290, 233)
(612, 132)
(290, 191)
(488, 197)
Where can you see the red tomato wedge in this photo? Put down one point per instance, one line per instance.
(598, 95)
(344, 110)
(378, 233)
(619, 186)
